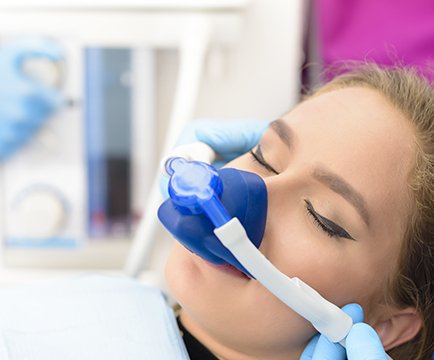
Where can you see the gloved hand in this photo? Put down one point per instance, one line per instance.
(25, 103)
(229, 139)
(362, 342)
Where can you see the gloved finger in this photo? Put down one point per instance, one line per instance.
(355, 311)
(231, 139)
(364, 343)
(322, 348)
(327, 350)
(310, 348)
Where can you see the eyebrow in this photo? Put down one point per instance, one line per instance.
(343, 188)
(333, 181)
(282, 130)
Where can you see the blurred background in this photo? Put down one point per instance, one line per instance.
(93, 93)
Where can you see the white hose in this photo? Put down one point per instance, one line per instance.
(326, 317)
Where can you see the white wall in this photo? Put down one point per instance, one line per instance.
(260, 77)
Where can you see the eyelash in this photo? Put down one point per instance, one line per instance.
(315, 219)
(339, 233)
(257, 157)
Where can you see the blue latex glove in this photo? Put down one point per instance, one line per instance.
(25, 103)
(229, 139)
(362, 342)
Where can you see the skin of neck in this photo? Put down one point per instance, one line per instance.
(225, 352)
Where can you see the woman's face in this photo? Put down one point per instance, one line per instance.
(336, 170)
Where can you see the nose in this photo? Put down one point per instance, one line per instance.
(288, 182)
(284, 191)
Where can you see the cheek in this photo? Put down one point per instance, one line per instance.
(339, 271)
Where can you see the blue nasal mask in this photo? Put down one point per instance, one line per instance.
(203, 198)
(220, 216)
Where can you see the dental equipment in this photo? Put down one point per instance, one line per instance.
(197, 190)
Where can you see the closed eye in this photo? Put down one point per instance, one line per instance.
(258, 157)
(328, 226)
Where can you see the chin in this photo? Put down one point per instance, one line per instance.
(197, 285)
(210, 298)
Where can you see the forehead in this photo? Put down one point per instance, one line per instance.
(359, 135)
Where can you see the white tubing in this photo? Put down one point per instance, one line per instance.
(326, 317)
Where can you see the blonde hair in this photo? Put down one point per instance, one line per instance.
(413, 284)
